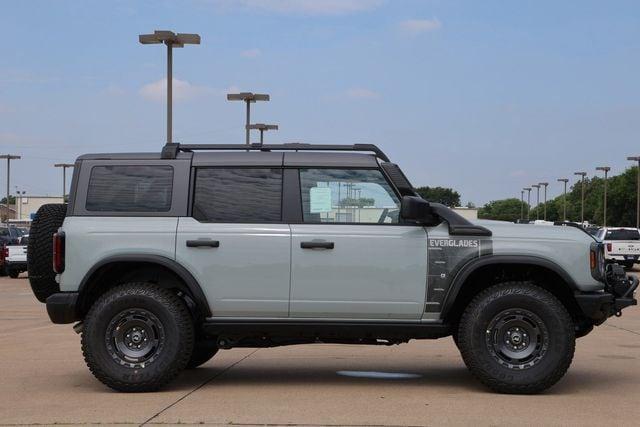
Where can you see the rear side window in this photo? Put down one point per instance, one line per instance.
(130, 189)
(245, 195)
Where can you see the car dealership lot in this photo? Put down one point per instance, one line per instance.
(43, 380)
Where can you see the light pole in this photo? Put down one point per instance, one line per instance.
(637, 159)
(9, 157)
(582, 175)
(171, 40)
(19, 195)
(537, 187)
(521, 205)
(263, 127)
(564, 198)
(545, 185)
(64, 167)
(606, 170)
(528, 190)
(248, 98)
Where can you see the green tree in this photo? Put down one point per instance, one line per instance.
(502, 210)
(12, 200)
(446, 196)
(359, 202)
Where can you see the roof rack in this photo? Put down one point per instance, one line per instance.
(170, 151)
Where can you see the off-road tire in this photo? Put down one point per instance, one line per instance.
(40, 250)
(475, 346)
(13, 273)
(176, 325)
(203, 351)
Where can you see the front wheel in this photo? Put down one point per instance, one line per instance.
(516, 338)
(137, 337)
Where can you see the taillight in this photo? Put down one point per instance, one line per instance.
(592, 260)
(5, 252)
(609, 247)
(58, 252)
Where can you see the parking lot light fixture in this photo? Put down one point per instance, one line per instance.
(537, 187)
(262, 128)
(582, 175)
(528, 190)
(9, 157)
(564, 198)
(521, 205)
(606, 170)
(64, 167)
(248, 98)
(545, 185)
(637, 159)
(171, 40)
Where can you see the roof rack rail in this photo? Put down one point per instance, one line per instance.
(170, 151)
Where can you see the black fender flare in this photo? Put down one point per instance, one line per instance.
(485, 260)
(184, 274)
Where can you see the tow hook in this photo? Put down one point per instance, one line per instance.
(78, 327)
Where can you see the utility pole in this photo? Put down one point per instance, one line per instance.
(637, 159)
(64, 167)
(19, 195)
(248, 98)
(528, 190)
(606, 170)
(262, 128)
(9, 157)
(582, 175)
(171, 40)
(564, 198)
(521, 205)
(545, 185)
(537, 187)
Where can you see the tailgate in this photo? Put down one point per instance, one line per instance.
(623, 248)
(17, 253)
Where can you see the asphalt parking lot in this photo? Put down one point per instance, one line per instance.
(43, 380)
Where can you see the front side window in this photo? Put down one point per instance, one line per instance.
(347, 196)
(238, 195)
(130, 189)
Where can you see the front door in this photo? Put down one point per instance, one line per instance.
(234, 242)
(351, 256)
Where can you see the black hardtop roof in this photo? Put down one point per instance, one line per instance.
(267, 155)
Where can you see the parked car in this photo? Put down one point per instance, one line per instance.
(15, 260)
(10, 235)
(166, 258)
(621, 245)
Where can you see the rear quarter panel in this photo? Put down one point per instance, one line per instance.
(90, 240)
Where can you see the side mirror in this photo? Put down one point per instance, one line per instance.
(415, 209)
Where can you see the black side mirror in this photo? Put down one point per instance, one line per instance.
(415, 209)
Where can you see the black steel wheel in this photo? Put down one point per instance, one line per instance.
(137, 337)
(516, 338)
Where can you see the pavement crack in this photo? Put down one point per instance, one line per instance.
(622, 329)
(198, 387)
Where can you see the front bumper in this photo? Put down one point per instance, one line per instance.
(618, 294)
(61, 307)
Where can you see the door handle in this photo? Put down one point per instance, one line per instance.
(316, 244)
(202, 243)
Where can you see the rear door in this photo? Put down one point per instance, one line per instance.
(234, 241)
(351, 256)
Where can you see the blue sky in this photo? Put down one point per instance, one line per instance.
(485, 97)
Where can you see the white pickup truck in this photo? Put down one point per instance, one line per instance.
(621, 245)
(15, 261)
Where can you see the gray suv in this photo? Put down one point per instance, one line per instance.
(163, 259)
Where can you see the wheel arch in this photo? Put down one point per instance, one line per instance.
(133, 267)
(483, 272)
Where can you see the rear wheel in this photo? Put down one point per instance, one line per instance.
(516, 338)
(14, 273)
(628, 265)
(137, 337)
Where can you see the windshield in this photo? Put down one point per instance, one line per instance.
(622, 235)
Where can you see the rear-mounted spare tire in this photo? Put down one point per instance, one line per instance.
(40, 250)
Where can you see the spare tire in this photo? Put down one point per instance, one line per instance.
(40, 250)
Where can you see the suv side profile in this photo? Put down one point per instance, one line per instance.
(166, 258)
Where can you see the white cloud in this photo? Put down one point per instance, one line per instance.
(251, 53)
(304, 7)
(418, 26)
(361, 93)
(182, 90)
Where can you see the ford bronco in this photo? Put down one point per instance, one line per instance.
(164, 259)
